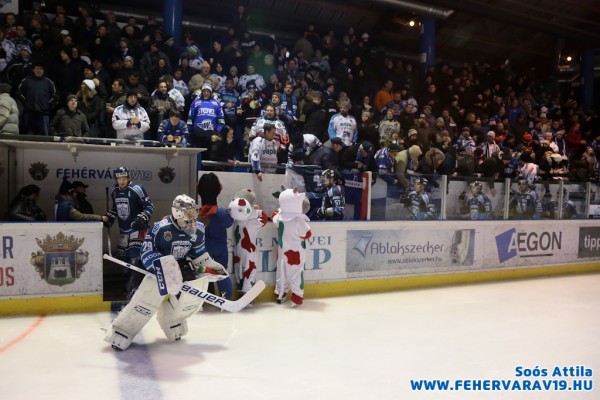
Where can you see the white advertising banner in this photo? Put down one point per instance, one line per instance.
(523, 244)
(325, 257)
(50, 259)
(410, 249)
(366, 250)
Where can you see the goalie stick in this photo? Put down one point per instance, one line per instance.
(224, 304)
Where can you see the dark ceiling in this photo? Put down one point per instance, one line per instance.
(528, 32)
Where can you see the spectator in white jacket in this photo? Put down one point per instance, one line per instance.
(130, 120)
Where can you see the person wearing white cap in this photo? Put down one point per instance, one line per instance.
(91, 105)
(489, 147)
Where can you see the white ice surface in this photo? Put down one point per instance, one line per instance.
(359, 347)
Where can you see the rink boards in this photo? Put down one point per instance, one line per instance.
(57, 267)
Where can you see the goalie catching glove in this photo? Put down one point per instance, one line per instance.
(209, 268)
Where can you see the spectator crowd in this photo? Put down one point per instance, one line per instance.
(327, 99)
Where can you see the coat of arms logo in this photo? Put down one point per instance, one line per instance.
(166, 174)
(60, 262)
(38, 171)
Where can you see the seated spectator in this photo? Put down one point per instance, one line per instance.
(24, 206)
(66, 209)
(173, 130)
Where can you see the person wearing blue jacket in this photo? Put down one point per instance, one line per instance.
(216, 220)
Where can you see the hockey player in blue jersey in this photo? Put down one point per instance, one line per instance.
(175, 247)
(420, 203)
(334, 201)
(523, 202)
(132, 207)
(205, 119)
(479, 206)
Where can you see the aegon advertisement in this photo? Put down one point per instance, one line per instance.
(530, 244)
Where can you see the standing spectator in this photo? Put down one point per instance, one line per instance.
(383, 96)
(20, 66)
(160, 105)
(315, 117)
(263, 152)
(343, 125)
(205, 119)
(91, 105)
(199, 80)
(216, 221)
(8, 51)
(251, 77)
(81, 201)
(9, 111)
(224, 149)
(133, 83)
(38, 95)
(67, 73)
(69, 121)
(117, 98)
(230, 98)
(407, 162)
(130, 120)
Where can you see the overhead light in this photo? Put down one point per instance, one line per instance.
(411, 22)
(569, 58)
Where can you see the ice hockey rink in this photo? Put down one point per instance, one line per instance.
(358, 347)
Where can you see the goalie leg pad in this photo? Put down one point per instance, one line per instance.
(135, 315)
(169, 318)
(168, 275)
(172, 314)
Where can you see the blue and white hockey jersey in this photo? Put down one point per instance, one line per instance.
(344, 128)
(206, 115)
(128, 203)
(166, 238)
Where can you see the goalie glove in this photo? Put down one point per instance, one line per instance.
(209, 268)
(140, 222)
(111, 219)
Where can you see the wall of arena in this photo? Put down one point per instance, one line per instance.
(57, 267)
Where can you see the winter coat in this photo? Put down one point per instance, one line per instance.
(9, 114)
(69, 123)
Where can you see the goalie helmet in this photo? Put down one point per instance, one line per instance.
(185, 213)
(476, 188)
(121, 172)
